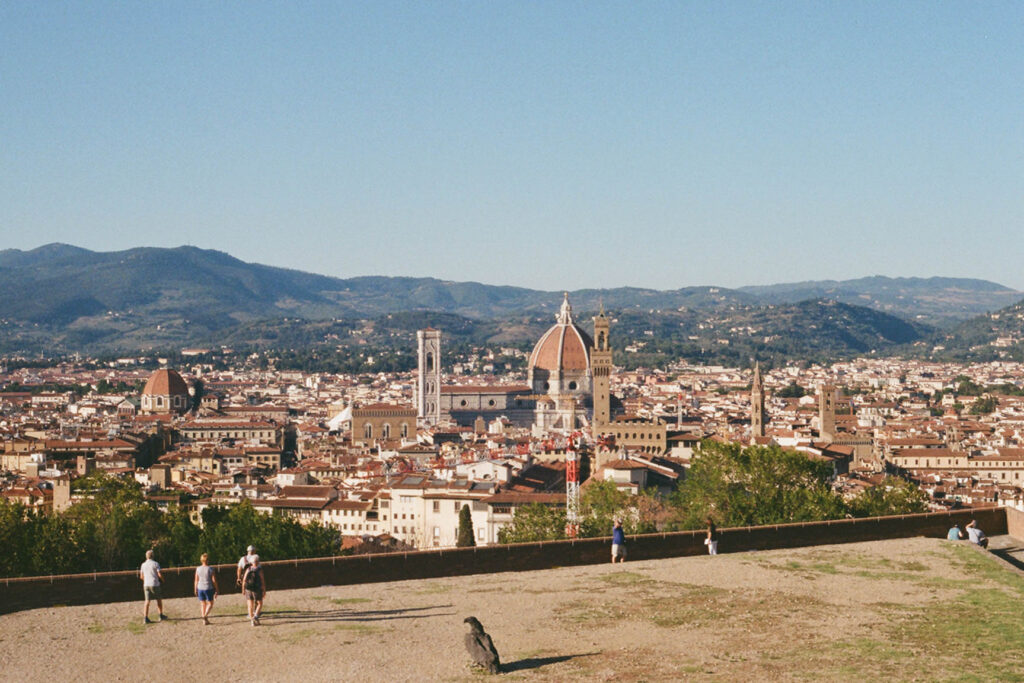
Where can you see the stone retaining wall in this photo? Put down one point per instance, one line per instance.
(84, 589)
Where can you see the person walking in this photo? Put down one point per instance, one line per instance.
(243, 564)
(254, 586)
(205, 586)
(712, 538)
(152, 578)
(618, 542)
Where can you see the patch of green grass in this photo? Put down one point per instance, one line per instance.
(625, 579)
(349, 601)
(96, 628)
(135, 628)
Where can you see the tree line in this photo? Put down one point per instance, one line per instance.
(728, 483)
(114, 526)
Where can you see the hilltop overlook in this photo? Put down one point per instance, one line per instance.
(902, 609)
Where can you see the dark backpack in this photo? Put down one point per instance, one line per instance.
(252, 579)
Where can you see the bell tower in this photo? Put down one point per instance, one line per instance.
(428, 383)
(601, 364)
(827, 411)
(757, 413)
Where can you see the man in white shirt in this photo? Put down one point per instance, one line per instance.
(151, 577)
(244, 562)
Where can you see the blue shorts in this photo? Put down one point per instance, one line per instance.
(205, 595)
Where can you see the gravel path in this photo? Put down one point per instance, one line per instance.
(739, 615)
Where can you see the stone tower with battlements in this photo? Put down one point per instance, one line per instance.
(601, 364)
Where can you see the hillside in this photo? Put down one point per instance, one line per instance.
(59, 284)
(63, 299)
(994, 336)
(937, 301)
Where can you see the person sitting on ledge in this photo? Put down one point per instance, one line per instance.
(976, 535)
(955, 533)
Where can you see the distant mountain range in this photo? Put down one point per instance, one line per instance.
(64, 298)
(940, 301)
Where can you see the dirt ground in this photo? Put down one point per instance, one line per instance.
(745, 616)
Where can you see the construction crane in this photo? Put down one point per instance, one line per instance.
(572, 487)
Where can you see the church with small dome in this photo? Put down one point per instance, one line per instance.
(165, 393)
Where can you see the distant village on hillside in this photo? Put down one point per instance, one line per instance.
(390, 459)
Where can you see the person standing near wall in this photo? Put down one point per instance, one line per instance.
(152, 578)
(618, 542)
(712, 538)
(254, 587)
(205, 586)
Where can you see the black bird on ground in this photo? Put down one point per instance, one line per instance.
(480, 647)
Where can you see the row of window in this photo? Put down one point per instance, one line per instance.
(385, 430)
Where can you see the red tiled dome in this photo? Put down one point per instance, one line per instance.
(564, 347)
(165, 383)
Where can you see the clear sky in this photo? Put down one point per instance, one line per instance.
(544, 144)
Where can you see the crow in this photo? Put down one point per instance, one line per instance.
(480, 647)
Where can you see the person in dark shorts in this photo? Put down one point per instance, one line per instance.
(205, 586)
(254, 586)
(152, 578)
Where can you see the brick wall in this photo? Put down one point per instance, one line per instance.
(84, 589)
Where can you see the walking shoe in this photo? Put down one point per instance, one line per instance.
(145, 620)
(252, 621)
(163, 617)
(206, 622)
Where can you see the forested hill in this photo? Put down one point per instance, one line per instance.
(993, 336)
(62, 299)
(938, 301)
(59, 284)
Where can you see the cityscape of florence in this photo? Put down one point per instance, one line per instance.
(390, 341)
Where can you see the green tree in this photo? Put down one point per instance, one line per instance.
(984, 405)
(465, 539)
(752, 486)
(792, 390)
(15, 538)
(894, 496)
(534, 522)
(601, 502)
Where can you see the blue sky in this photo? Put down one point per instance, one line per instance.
(544, 144)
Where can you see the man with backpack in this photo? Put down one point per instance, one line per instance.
(254, 587)
(243, 564)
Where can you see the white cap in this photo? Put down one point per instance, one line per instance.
(250, 549)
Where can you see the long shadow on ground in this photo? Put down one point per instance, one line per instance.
(295, 616)
(1011, 555)
(538, 662)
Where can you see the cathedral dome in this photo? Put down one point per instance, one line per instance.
(165, 392)
(564, 348)
(165, 383)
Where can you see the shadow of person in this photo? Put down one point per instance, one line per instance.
(538, 662)
(286, 616)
